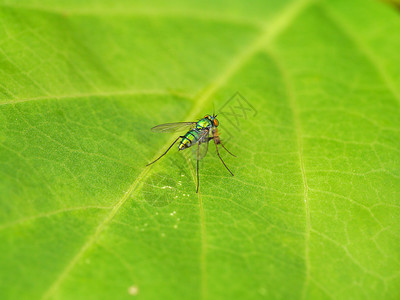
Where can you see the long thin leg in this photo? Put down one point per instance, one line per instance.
(165, 151)
(198, 178)
(226, 149)
(217, 140)
(216, 146)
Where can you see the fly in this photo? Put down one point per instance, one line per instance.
(198, 133)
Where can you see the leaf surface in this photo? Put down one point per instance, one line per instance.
(313, 209)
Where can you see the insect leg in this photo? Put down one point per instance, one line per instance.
(165, 151)
(198, 179)
(226, 149)
(216, 146)
(217, 140)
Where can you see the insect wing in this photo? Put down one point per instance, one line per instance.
(203, 145)
(173, 127)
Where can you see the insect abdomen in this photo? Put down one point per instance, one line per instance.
(190, 138)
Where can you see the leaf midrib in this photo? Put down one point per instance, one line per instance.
(269, 33)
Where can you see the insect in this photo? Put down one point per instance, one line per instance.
(198, 135)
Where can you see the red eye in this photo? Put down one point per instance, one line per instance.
(216, 123)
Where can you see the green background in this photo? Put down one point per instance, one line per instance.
(313, 210)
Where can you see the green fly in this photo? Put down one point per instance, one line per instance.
(198, 133)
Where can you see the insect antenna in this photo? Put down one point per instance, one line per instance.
(214, 110)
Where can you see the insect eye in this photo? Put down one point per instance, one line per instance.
(216, 123)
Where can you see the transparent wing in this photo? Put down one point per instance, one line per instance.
(174, 127)
(203, 148)
(202, 144)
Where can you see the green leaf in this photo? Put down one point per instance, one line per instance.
(313, 209)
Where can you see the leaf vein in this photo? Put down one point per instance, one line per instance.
(271, 31)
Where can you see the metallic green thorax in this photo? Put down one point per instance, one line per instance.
(192, 136)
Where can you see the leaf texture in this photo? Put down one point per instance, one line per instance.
(313, 209)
